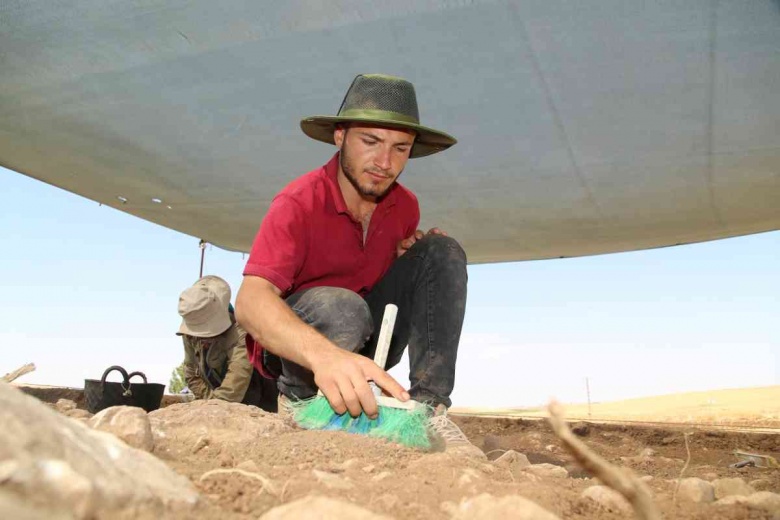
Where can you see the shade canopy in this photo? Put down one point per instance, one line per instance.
(584, 127)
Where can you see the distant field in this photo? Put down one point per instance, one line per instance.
(753, 407)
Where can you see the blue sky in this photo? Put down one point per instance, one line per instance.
(87, 287)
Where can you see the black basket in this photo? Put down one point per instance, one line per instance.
(101, 394)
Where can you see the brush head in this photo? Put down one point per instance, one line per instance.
(406, 424)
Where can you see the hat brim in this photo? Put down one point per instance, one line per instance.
(214, 326)
(427, 142)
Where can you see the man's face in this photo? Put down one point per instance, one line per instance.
(372, 157)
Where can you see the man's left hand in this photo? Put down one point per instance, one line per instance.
(406, 243)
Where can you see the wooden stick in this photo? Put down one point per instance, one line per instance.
(633, 489)
(19, 372)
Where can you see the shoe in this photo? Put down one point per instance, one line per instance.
(284, 408)
(447, 437)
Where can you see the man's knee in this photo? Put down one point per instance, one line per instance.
(339, 314)
(440, 248)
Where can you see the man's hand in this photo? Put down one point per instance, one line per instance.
(343, 377)
(406, 243)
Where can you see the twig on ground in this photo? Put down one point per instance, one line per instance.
(682, 471)
(265, 481)
(487, 454)
(633, 489)
(19, 372)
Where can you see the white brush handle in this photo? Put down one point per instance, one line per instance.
(383, 343)
(385, 335)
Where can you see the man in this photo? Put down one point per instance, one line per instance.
(215, 361)
(340, 243)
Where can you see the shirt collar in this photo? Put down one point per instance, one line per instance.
(332, 172)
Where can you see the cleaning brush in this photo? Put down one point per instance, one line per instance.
(402, 422)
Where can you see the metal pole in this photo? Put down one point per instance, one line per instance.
(202, 246)
(587, 389)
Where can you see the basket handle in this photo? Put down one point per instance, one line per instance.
(136, 373)
(125, 383)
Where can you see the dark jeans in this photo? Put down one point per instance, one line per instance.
(428, 284)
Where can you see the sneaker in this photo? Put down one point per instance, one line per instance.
(447, 437)
(284, 408)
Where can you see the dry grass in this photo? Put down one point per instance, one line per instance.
(730, 407)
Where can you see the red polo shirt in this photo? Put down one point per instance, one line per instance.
(309, 239)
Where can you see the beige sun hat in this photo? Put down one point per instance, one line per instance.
(204, 308)
(385, 101)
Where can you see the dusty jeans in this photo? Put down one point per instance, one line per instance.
(428, 284)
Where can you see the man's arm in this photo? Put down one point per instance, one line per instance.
(194, 382)
(239, 372)
(341, 375)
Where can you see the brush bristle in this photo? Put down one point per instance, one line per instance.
(407, 427)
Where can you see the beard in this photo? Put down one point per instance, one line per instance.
(367, 189)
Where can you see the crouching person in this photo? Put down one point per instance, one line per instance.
(215, 359)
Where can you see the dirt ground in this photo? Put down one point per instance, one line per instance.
(244, 472)
(406, 484)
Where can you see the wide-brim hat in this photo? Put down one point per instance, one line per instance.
(204, 308)
(381, 100)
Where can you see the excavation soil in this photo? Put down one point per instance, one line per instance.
(288, 464)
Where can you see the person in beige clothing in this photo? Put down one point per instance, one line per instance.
(215, 360)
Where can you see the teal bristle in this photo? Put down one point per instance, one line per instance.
(407, 427)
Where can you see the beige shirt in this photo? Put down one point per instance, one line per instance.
(223, 355)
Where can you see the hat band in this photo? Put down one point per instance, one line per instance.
(379, 115)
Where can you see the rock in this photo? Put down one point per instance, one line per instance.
(369, 468)
(760, 484)
(182, 429)
(129, 423)
(581, 429)
(64, 405)
(731, 486)
(321, 508)
(670, 439)
(547, 470)
(512, 460)
(388, 501)
(607, 498)
(765, 501)
(491, 445)
(646, 478)
(468, 451)
(52, 463)
(731, 500)
(78, 413)
(488, 507)
(696, 490)
(331, 481)
(379, 477)
(647, 452)
(344, 466)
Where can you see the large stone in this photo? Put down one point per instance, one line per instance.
(182, 429)
(321, 508)
(64, 405)
(129, 423)
(696, 490)
(52, 464)
(512, 460)
(765, 501)
(488, 507)
(547, 470)
(725, 487)
(607, 498)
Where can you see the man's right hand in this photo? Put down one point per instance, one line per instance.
(343, 377)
